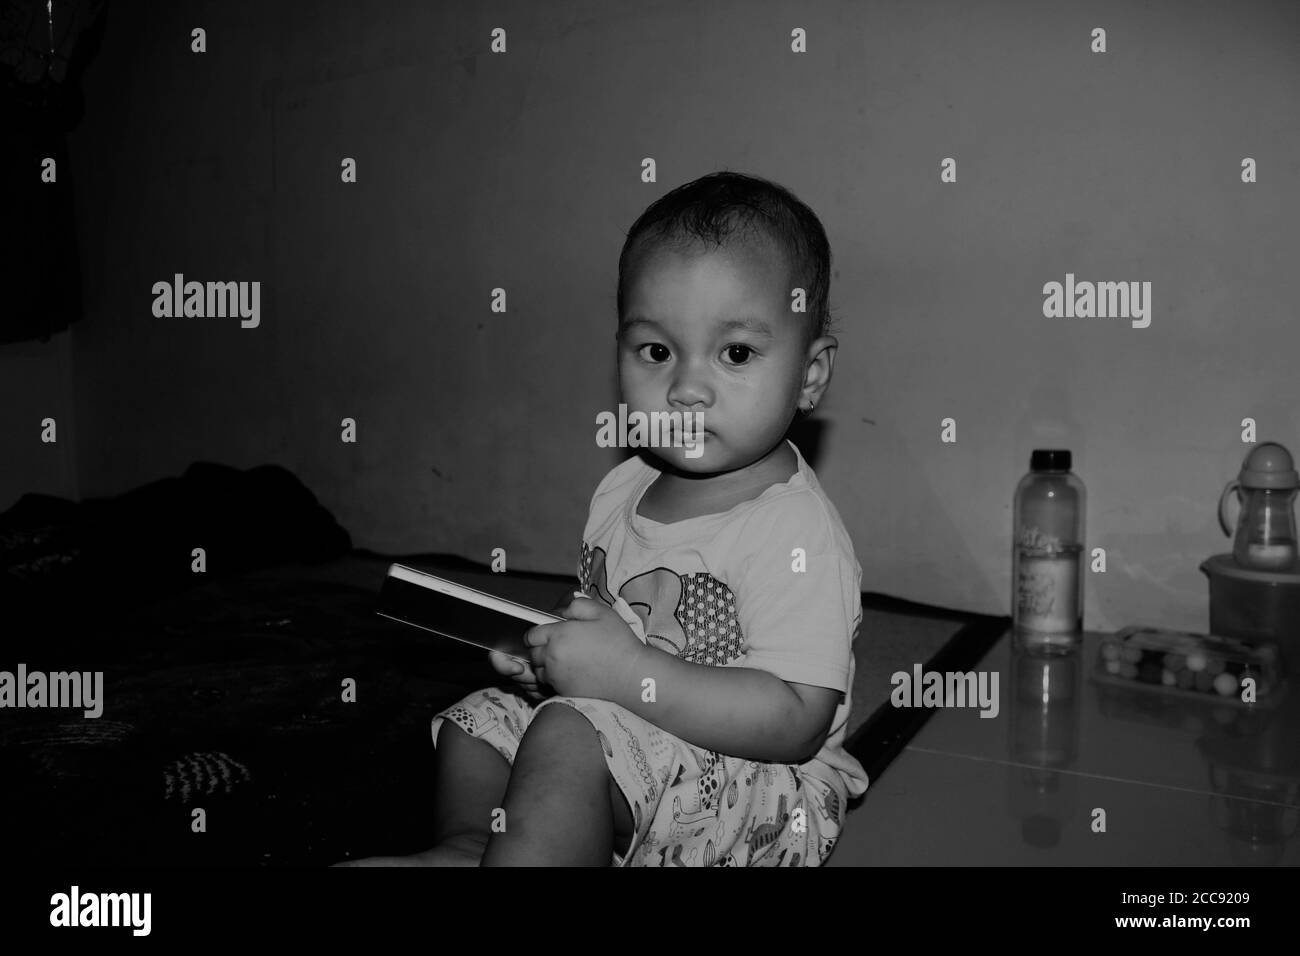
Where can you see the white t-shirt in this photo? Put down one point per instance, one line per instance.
(723, 589)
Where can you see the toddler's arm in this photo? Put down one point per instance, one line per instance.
(737, 711)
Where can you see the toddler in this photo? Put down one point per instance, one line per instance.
(690, 710)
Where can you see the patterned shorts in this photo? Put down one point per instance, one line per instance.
(690, 807)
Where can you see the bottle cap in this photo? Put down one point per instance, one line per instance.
(1049, 460)
(1268, 466)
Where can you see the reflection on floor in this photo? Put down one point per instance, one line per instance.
(1076, 772)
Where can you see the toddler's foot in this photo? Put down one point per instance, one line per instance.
(463, 850)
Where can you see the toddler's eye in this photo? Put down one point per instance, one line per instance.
(732, 349)
(654, 345)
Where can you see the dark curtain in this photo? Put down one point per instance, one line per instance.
(44, 48)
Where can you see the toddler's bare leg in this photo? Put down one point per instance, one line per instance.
(469, 783)
(559, 801)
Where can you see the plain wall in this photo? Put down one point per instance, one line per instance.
(476, 429)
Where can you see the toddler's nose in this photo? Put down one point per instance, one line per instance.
(689, 396)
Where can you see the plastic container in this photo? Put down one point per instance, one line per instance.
(1047, 555)
(1266, 488)
(1257, 607)
(1189, 666)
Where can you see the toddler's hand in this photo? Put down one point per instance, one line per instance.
(590, 653)
(522, 673)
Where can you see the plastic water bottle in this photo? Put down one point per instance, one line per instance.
(1048, 555)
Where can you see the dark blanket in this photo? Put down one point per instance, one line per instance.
(222, 690)
(56, 555)
(229, 698)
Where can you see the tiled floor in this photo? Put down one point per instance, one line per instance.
(1181, 783)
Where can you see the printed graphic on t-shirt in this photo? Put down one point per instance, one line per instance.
(691, 616)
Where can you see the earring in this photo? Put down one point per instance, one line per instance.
(811, 406)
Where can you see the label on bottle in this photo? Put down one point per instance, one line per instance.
(1047, 592)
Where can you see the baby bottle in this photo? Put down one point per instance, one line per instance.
(1047, 555)
(1266, 487)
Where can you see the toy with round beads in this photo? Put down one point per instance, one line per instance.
(1193, 663)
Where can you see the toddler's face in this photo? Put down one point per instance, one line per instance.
(692, 339)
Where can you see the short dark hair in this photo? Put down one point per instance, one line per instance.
(728, 207)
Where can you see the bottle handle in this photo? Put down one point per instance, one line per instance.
(1223, 507)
